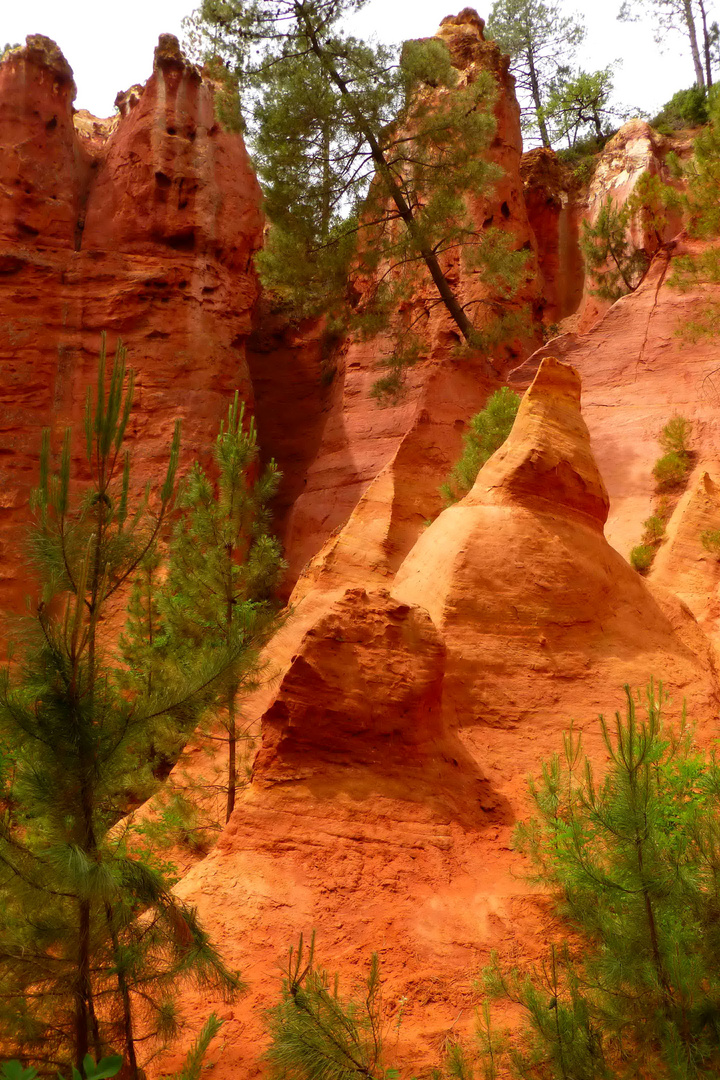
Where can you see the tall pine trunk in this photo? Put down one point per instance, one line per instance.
(692, 35)
(232, 693)
(535, 89)
(124, 991)
(706, 44)
(232, 753)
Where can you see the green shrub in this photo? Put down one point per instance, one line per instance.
(671, 470)
(317, 1034)
(686, 108)
(710, 540)
(675, 435)
(584, 148)
(641, 557)
(387, 389)
(654, 527)
(613, 262)
(487, 431)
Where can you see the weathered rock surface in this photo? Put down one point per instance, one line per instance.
(554, 204)
(145, 227)
(636, 149)
(683, 565)
(637, 373)
(539, 613)
(394, 751)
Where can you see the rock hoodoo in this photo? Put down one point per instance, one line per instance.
(538, 612)
(145, 227)
(638, 370)
(431, 657)
(394, 751)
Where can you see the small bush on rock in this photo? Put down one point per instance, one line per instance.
(487, 431)
(654, 529)
(641, 557)
(675, 435)
(710, 540)
(670, 470)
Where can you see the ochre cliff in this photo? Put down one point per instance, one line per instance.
(431, 658)
(396, 743)
(638, 372)
(145, 227)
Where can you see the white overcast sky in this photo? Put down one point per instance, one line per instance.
(110, 46)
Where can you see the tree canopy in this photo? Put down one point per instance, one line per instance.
(541, 42)
(366, 154)
(687, 17)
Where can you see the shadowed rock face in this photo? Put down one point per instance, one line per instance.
(364, 688)
(144, 226)
(554, 203)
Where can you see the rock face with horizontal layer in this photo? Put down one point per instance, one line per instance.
(144, 226)
(404, 722)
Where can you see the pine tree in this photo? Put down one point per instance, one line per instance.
(633, 860)
(318, 1035)
(367, 159)
(224, 567)
(578, 103)
(539, 40)
(611, 259)
(93, 945)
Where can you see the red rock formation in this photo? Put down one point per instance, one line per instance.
(424, 669)
(520, 575)
(635, 149)
(359, 437)
(683, 565)
(637, 373)
(42, 171)
(144, 227)
(554, 207)
(395, 749)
